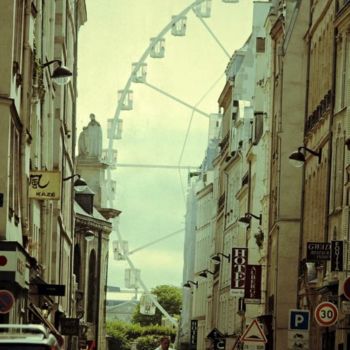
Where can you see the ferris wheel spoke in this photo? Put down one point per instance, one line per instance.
(213, 36)
(176, 99)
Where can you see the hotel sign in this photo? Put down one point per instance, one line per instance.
(252, 291)
(318, 251)
(238, 270)
(45, 185)
(337, 252)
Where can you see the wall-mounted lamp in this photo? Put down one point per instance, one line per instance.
(78, 182)
(61, 74)
(204, 273)
(297, 158)
(188, 284)
(247, 218)
(216, 258)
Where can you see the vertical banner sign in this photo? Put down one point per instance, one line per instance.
(194, 331)
(252, 290)
(238, 269)
(337, 255)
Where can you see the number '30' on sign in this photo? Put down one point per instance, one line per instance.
(326, 314)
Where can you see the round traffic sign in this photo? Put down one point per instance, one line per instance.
(326, 314)
(346, 287)
(6, 301)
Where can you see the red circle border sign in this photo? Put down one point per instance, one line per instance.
(321, 308)
(6, 301)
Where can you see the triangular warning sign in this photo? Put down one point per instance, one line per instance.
(253, 334)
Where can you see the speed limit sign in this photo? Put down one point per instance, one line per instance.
(326, 314)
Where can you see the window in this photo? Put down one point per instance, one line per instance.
(258, 127)
(260, 44)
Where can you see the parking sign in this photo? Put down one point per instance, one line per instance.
(299, 320)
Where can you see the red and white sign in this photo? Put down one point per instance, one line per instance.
(346, 287)
(253, 334)
(6, 301)
(326, 314)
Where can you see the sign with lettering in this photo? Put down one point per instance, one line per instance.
(45, 185)
(52, 289)
(318, 251)
(337, 253)
(69, 326)
(238, 270)
(194, 331)
(252, 290)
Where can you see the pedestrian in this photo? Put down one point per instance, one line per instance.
(164, 343)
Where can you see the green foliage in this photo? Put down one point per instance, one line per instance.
(169, 297)
(118, 339)
(123, 334)
(147, 342)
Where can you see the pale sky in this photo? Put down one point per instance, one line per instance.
(151, 200)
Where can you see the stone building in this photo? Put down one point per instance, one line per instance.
(92, 229)
(38, 48)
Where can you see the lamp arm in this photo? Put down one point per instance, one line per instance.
(50, 62)
(226, 256)
(71, 177)
(318, 154)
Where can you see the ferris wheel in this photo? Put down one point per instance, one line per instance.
(138, 75)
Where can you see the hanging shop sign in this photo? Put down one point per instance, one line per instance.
(238, 270)
(337, 255)
(252, 290)
(45, 185)
(194, 332)
(13, 264)
(69, 326)
(318, 251)
(51, 289)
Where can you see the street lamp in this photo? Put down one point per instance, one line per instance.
(216, 258)
(188, 284)
(248, 216)
(204, 273)
(61, 75)
(297, 158)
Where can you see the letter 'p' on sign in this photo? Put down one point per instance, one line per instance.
(299, 320)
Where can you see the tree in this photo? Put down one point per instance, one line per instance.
(169, 297)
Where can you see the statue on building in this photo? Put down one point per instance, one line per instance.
(90, 140)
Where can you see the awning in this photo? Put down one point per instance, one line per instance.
(37, 312)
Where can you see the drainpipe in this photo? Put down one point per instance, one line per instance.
(330, 139)
(302, 206)
(25, 112)
(99, 257)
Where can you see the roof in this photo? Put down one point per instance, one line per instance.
(96, 215)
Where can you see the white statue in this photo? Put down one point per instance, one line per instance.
(90, 140)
